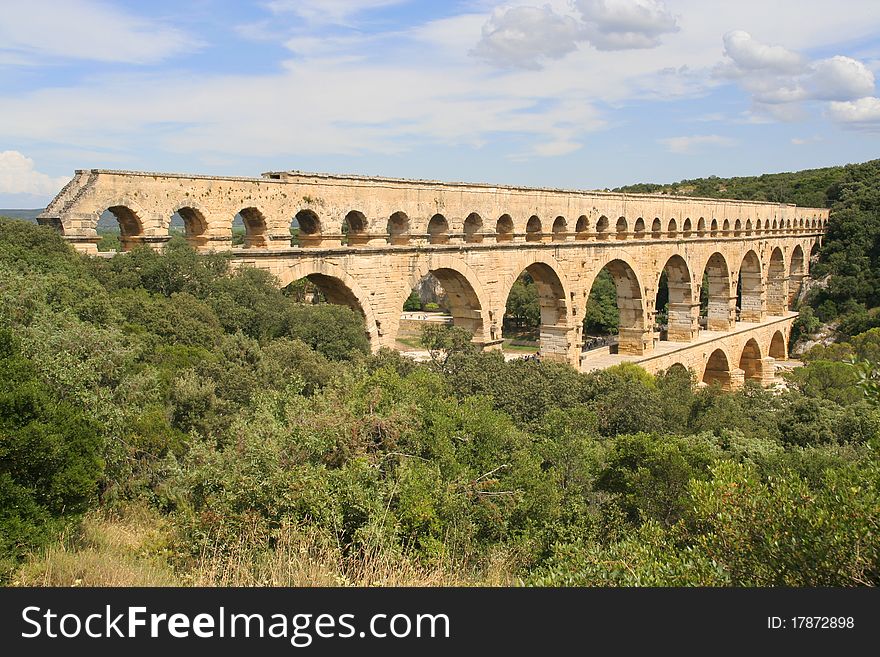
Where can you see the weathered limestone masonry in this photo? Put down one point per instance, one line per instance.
(366, 242)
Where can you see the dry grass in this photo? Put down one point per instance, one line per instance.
(128, 549)
(133, 548)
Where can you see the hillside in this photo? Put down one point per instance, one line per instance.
(27, 215)
(811, 187)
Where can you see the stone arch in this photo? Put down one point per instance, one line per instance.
(701, 227)
(557, 339)
(748, 226)
(672, 228)
(504, 229)
(338, 287)
(534, 230)
(682, 324)
(468, 301)
(725, 228)
(438, 230)
(754, 367)
(633, 334)
(309, 228)
(778, 347)
(354, 228)
(686, 227)
(131, 226)
(602, 228)
(656, 228)
(560, 229)
(758, 225)
(195, 225)
(777, 284)
(679, 368)
(718, 371)
(737, 228)
(398, 228)
(582, 228)
(639, 228)
(714, 228)
(621, 228)
(796, 273)
(719, 309)
(751, 291)
(473, 228)
(255, 229)
(775, 226)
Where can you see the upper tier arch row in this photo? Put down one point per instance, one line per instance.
(363, 212)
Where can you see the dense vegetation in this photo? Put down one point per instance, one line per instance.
(253, 436)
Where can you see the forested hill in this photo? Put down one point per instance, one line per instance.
(817, 188)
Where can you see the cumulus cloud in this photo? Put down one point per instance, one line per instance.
(19, 176)
(526, 36)
(692, 143)
(521, 37)
(749, 54)
(83, 29)
(626, 24)
(863, 114)
(839, 78)
(781, 81)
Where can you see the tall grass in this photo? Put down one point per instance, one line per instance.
(136, 547)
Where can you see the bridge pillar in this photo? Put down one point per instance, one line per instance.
(559, 344)
(795, 281)
(768, 371)
(634, 341)
(684, 322)
(777, 297)
(722, 314)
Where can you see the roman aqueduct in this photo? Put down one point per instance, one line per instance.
(366, 242)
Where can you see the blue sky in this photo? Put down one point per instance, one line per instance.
(570, 93)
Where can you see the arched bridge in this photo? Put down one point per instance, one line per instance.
(366, 242)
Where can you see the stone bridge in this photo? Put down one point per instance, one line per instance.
(366, 242)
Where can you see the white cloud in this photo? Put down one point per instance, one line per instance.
(18, 176)
(747, 53)
(626, 24)
(694, 142)
(526, 36)
(839, 78)
(521, 37)
(84, 29)
(863, 113)
(781, 81)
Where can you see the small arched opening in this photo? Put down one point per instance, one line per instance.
(255, 230)
(560, 229)
(534, 231)
(354, 229)
(438, 230)
(473, 228)
(305, 229)
(398, 229)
